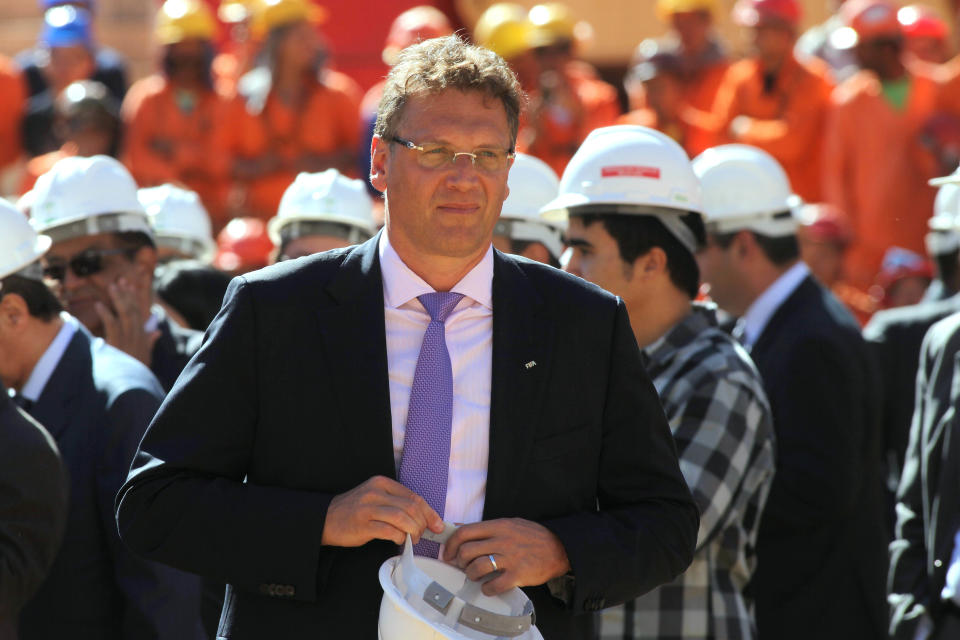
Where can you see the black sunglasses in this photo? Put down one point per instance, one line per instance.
(86, 263)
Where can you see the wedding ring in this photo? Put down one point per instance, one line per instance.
(493, 562)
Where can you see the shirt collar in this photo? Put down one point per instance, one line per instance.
(47, 364)
(401, 284)
(702, 316)
(755, 320)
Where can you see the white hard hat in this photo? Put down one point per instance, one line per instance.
(21, 247)
(179, 220)
(532, 184)
(426, 599)
(86, 196)
(944, 236)
(316, 199)
(633, 170)
(746, 188)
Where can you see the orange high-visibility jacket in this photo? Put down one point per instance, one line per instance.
(693, 131)
(788, 122)
(13, 98)
(165, 142)
(876, 171)
(327, 122)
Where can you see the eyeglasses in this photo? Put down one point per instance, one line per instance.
(86, 263)
(433, 155)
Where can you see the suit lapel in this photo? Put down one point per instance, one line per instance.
(354, 339)
(522, 339)
(796, 299)
(53, 408)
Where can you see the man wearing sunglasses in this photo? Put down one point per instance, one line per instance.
(96, 402)
(102, 261)
(345, 400)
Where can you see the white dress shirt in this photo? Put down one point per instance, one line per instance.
(755, 320)
(469, 333)
(50, 359)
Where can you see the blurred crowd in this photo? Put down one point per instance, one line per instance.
(254, 151)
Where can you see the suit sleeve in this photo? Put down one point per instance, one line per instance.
(907, 591)
(159, 601)
(645, 528)
(186, 502)
(33, 508)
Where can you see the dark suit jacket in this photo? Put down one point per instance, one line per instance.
(33, 509)
(821, 548)
(895, 336)
(97, 405)
(928, 500)
(287, 405)
(173, 349)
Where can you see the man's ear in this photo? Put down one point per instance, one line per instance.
(744, 244)
(379, 148)
(13, 312)
(650, 263)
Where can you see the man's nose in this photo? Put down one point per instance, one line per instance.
(463, 174)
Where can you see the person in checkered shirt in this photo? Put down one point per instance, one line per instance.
(716, 406)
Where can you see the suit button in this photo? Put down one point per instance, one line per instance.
(937, 563)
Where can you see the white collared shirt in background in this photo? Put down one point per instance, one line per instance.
(469, 334)
(755, 320)
(48, 362)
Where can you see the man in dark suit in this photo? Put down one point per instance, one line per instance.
(103, 258)
(274, 462)
(96, 402)
(924, 580)
(821, 545)
(33, 509)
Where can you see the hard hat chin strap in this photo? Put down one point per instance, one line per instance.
(418, 589)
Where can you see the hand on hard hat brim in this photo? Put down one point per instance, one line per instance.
(526, 553)
(378, 509)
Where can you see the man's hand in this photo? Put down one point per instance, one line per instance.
(378, 509)
(527, 554)
(123, 325)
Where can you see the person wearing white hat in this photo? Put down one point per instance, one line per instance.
(822, 543)
(33, 479)
(181, 225)
(633, 204)
(96, 402)
(103, 258)
(520, 229)
(319, 212)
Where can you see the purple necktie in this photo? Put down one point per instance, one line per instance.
(425, 460)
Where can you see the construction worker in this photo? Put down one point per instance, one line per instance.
(633, 205)
(410, 27)
(319, 212)
(12, 107)
(504, 28)
(569, 99)
(103, 258)
(96, 402)
(292, 113)
(87, 120)
(175, 120)
(520, 229)
(703, 59)
(926, 35)
(661, 82)
(880, 182)
(773, 101)
(243, 245)
(181, 226)
(822, 545)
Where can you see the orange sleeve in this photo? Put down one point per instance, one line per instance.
(726, 105)
(141, 113)
(789, 137)
(837, 180)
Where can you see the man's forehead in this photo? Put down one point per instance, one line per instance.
(455, 111)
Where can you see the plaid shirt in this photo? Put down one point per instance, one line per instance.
(714, 400)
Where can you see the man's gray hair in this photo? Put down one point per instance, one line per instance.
(439, 64)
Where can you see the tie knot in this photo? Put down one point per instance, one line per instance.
(440, 303)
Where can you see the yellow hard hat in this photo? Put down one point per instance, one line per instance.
(553, 23)
(270, 14)
(666, 8)
(504, 29)
(180, 20)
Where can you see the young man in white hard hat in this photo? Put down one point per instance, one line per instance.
(822, 544)
(346, 400)
(102, 261)
(635, 232)
(96, 402)
(521, 230)
(320, 212)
